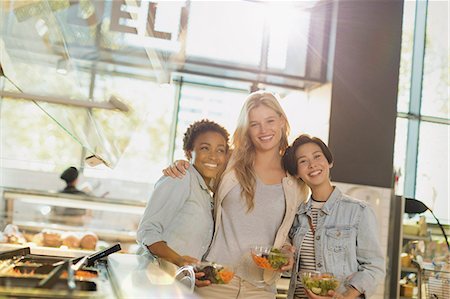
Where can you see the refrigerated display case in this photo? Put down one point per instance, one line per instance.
(64, 221)
(31, 216)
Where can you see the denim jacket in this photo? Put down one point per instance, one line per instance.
(346, 242)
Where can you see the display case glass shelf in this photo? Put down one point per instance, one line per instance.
(42, 217)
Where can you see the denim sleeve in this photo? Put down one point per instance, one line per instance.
(165, 202)
(371, 269)
(294, 227)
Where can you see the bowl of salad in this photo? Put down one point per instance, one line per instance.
(319, 283)
(268, 257)
(215, 273)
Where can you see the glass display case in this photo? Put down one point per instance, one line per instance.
(55, 245)
(69, 221)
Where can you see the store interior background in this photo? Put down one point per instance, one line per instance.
(371, 78)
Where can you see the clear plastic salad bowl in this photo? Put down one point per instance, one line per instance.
(268, 257)
(215, 273)
(319, 283)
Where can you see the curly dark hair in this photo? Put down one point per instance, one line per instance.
(200, 127)
(289, 159)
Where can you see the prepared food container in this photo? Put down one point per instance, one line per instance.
(268, 257)
(216, 273)
(319, 283)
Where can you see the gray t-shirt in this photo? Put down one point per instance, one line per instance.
(240, 229)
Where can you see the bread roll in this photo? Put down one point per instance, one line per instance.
(71, 241)
(89, 241)
(38, 239)
(52, 239)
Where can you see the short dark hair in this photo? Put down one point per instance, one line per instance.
(200, 127)
(69, 175)
(289, 159)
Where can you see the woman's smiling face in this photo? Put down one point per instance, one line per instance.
(312, 165)
(209, 154)
(265, 128)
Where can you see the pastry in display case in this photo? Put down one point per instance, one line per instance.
(46, 253)
(46, 257)
(35, 218)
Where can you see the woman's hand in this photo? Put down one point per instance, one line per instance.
(311, 295)
(201, 283)
(177, 169)
(290, 264)
(189, 260)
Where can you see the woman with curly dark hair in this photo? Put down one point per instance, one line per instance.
(180, 230)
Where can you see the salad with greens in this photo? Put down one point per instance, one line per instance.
(319, 283)
(267, 257)
(214, 272)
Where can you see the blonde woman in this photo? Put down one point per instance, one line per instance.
(256, 199)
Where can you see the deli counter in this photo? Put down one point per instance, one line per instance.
(55, 245)
(27, 274)
(69, 221)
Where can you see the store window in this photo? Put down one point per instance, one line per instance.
(226, 31)
(200, 101)
(433, 168)
(423, 124)
(276, 43)
(33, 141)
(146, 137)
(404, 84)
(288, 39)
(435, 97)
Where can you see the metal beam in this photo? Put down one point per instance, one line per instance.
(112, 104)
(412, 146)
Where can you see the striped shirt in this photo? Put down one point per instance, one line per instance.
(307, 256)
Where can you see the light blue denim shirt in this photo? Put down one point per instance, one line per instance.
(179, 213)
(346, 242)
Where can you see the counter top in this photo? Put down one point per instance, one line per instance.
(54, 251)
(120, 276)
(137, 276)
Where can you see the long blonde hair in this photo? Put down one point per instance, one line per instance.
(243, 154)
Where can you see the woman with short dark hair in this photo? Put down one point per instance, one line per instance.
(332, 231)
